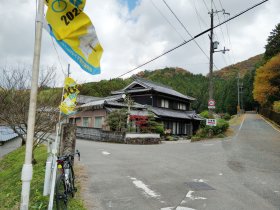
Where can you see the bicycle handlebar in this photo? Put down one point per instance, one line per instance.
(64, 157)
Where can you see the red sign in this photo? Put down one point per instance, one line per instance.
(211, 104)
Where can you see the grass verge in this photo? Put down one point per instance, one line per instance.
(10, 183)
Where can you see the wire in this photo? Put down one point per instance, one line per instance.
(217, 12)
(206, 6)
(187, 30)
(196, 36)
(58, 57)
(228, 34)
(167, 20)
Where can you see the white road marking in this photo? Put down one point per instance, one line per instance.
(221, 174)
(110, 204)
(106, 153)
(241, 124)
(270, 124)
(178, 208)
(146, 190)
(200, 180)
(192, 197)
(183, 208)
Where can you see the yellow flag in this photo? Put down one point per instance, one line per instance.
(61, 4)
(75, 33)
(68, 105)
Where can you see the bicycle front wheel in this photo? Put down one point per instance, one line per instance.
(72, 181)
(61, 198)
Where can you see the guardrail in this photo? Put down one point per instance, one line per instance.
(270, 114)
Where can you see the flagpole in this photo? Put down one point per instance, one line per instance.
(27, 169)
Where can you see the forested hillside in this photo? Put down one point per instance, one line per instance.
(195, 85)
(242, 67)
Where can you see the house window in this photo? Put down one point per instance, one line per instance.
(86, 121)
(98, 122)
(181, 106)
(78, 121)
(164, 103)
(71, 120)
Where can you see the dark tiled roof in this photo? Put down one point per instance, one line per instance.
(82, 99)
(149, 85)
(175, 113)
(132, 112)
(101, 101)
(115, 103)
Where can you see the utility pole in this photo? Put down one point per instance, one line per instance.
(27, 169)
(211, 56)
(238, 94)
(213, 47)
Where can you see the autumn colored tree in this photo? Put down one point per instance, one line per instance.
(272, 47)
(267, 82)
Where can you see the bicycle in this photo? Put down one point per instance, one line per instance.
(65, 182)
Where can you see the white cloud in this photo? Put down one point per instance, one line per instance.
(130, 38)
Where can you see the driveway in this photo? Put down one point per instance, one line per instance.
(241, 172)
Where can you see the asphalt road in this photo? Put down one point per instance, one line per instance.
(242, 172)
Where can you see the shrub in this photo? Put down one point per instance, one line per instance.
(169, 138)
(226, 116)
(205, 114)
(159, 129)
(222, 126)
(195, 138)
(276, 106)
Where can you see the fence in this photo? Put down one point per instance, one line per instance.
(96, 134)
(274, 116)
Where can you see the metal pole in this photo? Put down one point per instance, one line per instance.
(68, 71)
(27, 169)
(211, 59)
(238, 95)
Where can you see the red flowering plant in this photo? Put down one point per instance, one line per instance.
(147, 124)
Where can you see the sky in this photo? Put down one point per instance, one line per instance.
(133, 32)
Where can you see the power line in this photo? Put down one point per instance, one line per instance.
(58, 57)
(196, 36)
(228, 34)
(206, 6)
(186, 30)
(199, 17)
(167, 20)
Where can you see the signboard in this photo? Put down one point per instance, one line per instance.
(211, 104)
(211, 122)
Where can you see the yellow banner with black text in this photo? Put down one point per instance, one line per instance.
(69, 102)
(75, 33)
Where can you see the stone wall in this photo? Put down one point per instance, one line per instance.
(95, 134)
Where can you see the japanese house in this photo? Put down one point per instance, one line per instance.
(169, 106)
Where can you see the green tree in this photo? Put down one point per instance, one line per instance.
(248, 85)
(273, 43)
(117, 120)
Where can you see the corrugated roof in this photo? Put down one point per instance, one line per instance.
(7, 134)
(149, 85)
